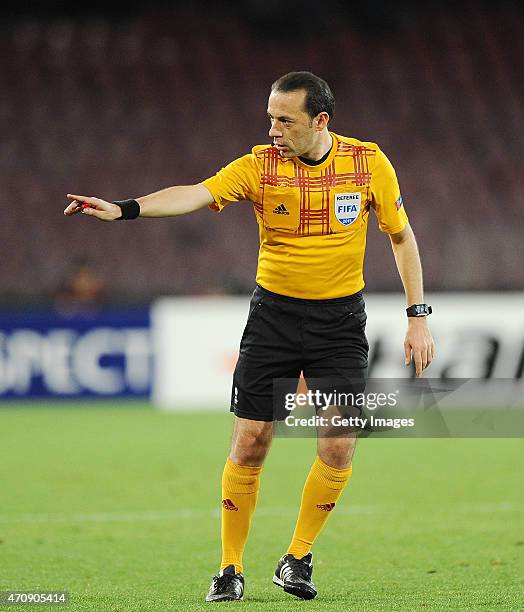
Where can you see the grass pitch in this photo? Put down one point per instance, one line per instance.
(120, 507)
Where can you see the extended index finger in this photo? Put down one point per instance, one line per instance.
(417, 358)
(81, 198)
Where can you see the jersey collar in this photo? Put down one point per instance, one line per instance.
(325, 163)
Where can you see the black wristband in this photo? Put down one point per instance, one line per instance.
(130, 209)
(419, 310)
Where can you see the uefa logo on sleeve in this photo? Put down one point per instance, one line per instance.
(347, 207)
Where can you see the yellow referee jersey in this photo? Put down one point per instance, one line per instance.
(313, 219)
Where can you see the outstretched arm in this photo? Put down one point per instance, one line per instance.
(170, 202)
(418, 344)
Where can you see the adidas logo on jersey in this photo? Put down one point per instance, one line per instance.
(229, 505)
(280, 210)
(326, 507)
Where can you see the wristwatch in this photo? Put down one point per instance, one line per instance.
(419, 310)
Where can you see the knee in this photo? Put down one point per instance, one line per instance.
(337, 453)
(251, 447)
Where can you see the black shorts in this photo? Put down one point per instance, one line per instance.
(284, 336)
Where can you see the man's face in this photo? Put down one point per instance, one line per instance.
(293, 131)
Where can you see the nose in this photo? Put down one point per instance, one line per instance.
(274, 132)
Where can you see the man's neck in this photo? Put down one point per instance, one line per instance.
(319, 150)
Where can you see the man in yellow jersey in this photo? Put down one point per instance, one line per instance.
(312, 192)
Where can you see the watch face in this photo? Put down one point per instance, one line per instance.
(419, 310)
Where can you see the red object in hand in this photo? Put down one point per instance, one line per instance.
(86, 206)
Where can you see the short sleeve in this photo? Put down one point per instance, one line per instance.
(386, 196)
(239, 180)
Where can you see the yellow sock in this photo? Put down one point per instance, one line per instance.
(240, 485)
(322, 489)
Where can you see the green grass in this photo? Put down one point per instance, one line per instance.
(119, 506)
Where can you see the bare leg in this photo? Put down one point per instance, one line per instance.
(251, 441)
(337, 452)
(336, 444)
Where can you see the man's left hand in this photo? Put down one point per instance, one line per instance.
(419, 344)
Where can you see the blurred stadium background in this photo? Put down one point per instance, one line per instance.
(166, 93)
(118, 101)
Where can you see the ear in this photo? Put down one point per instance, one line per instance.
(321, 121)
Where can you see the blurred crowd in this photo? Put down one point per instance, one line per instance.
(118, 108)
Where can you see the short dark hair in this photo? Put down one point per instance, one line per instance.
(319, 97)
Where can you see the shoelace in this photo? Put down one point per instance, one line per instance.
(300, 568)
(222, 582)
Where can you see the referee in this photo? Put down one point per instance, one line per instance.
(312, 192)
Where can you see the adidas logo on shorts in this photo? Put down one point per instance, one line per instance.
(280, 210)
